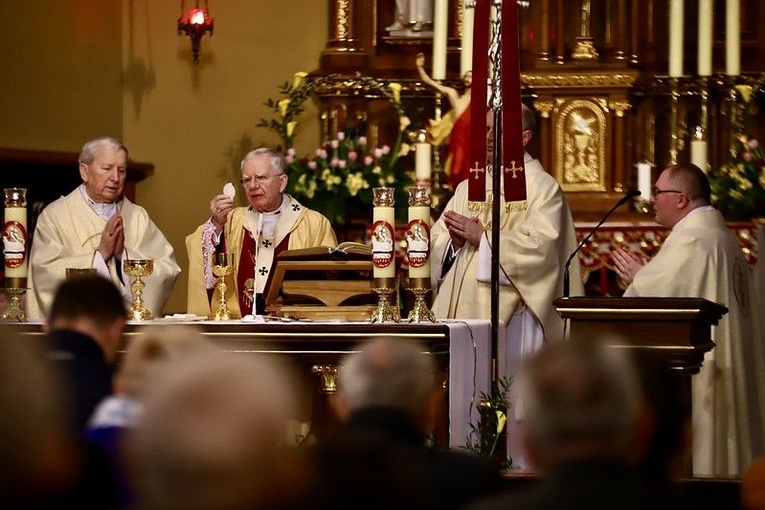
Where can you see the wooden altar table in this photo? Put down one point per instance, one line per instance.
(460, 347)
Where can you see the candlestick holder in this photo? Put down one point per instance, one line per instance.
(137, 269)
(14, 312)
(385, 312)
(420, 310)
(222, 267)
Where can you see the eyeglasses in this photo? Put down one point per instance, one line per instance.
(259, 180)
(656, 191)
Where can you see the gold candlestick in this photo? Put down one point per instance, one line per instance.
(222, 267)
(385, 287)
(14, 312)
(137, 269)
(420, 311)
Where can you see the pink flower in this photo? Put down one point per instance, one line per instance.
(353, 156)
(334, 144)
(378, 153)
(341, 136)
(321, 153)
(362, 140)
(385, 149)
(747, 156)
(334, 163)
(341, 164)
(289, 159)
(312, 165)
(291, 152)
(753, 144)
(368, 160)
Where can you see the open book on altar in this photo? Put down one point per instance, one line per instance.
(346, 250)
(323, 283)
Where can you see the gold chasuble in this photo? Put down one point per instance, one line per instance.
(254, 253)
(701, 258)
(68, 233)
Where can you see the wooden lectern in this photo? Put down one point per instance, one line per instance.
(678, 329)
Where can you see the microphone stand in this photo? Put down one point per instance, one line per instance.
(566, 278)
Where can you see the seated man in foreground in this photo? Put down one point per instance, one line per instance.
(255, 235)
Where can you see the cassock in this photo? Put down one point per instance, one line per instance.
(68, 233)
(255, 247)
(534, 246)
(701, 258)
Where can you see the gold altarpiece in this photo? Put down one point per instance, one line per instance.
(596, 74)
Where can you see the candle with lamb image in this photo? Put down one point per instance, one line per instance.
(383, 239)
(15, 237)
(418, 233)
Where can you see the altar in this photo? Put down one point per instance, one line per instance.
(461, 349)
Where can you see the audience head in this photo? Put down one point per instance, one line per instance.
(581, 401)
(264, 178)
(211, 435)
(103, 168)
(388, 373)
(91, 305)
(37, 454)
(679, 190)
(152, 350)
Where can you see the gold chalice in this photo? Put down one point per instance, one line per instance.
(137, 269)
(222, 267)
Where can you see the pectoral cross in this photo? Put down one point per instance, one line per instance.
(476, 170)
(514, 169)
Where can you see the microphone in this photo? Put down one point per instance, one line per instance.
(566, 279)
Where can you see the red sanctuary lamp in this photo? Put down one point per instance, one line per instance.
(195, 23)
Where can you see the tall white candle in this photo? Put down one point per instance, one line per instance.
(15, 237)
(383, 238)
(733, 37)
(644, 180)
(699, 149)
(676, 38)
(440, 27)
(418, 233)
(422, 153)
(706, 37)
(466, 54)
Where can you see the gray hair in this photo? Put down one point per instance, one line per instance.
(211, 435)
(388, 373)
(528, 118)
(579, 392)
(91, 148)
(275, 159)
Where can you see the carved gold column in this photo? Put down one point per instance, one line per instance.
(585, 46)
(560, 47)
(620, 36)
(544, 130)
(634, 31)
(621, 176)
(342, 49)
(544, 31)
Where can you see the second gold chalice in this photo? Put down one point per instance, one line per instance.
(222, 267)
(137, 269)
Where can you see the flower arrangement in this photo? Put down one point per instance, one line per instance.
(486, 437)
(339, 176)
(738, 186)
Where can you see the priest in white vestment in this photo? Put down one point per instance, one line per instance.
(701, 258)
(95, 226)
(254, 235)
(534, 246)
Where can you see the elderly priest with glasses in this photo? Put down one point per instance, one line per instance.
(254, 235)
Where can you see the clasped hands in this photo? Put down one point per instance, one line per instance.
(112, 239)
(627, 263)
(463, 229)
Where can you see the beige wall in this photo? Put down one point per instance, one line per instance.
(64, 81)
